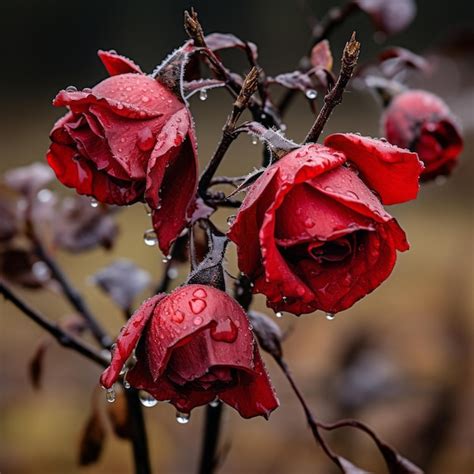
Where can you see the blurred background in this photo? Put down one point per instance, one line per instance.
(400, 360)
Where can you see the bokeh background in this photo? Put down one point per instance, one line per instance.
(400, 360)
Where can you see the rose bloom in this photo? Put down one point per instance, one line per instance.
(192, 346)
(423, 123)
(312, 232)
(128, 139)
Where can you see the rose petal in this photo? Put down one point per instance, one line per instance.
(81, 174)
(128, 339)
(391, 171)
(188, 311)
(254, 395)
(117, 64)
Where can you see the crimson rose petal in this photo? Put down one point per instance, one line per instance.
(117, 64)
(193, 345)
(390, 171)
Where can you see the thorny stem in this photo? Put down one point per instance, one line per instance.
(241, 102)
(309, 416)
(139, 439)
(333, 18)
(212, 426)
(73, 296)
(334, 96)
(63, 338)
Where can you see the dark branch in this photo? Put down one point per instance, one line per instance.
(65, 339)
(334, 96)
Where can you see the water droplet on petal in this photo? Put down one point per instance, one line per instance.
(309, 222)
(178, 316)
(94, 203)
(197, 321)
(203, 94)
(197, 306)
(71, 89)
(215, 403)
(146, 399)
(351, 194)
(279, 314)
(110, 395)
(224, 331)
(311, 94)
(182, 418)
(150, 238)
(200, 293)
(330, 316)
(145, 139)
(145, 99)
(231, 219)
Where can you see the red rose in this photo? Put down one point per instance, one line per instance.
(128, 139)
(422, 122)
(311, 233)
(194, 345)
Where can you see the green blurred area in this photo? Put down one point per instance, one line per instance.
(413, 336)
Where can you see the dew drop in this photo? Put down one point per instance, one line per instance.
(254, 140)
(110, 395)
(178, 316)
(150, 238)
(215, 403)
(231, 219)
(40, 270)
(330, 316)
(126, 383)
(44, 195)
(71, 89)
(224, 331)
(146, 399)
(203, 94)
(351, 194)
(197, 306)
(145, 99)
(197, 321)
(182, 418)
(173, 273)
(309, 222)
(311, 94)
(200, 293)
(94, 203)
(279, 314)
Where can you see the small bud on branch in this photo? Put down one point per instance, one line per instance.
(350, 56)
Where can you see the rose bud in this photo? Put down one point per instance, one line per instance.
(128, 139)
(423, 123)
(311, 232)
(192, 346)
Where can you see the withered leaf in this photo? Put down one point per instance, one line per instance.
(80, 227)
(294, 80)
(35, 367)
(92, 440)
(395, 59)
(396, 463)
(268, 333)
(389, 16)
(27, 180)
(219, 41)
(321, 56)
(122, 281)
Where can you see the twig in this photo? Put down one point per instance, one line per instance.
(241, 102)
(139, 439)
(333, 18)
(65, 339)
(211, 437)
(334, 96)
(309, 416)
(73, 296)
